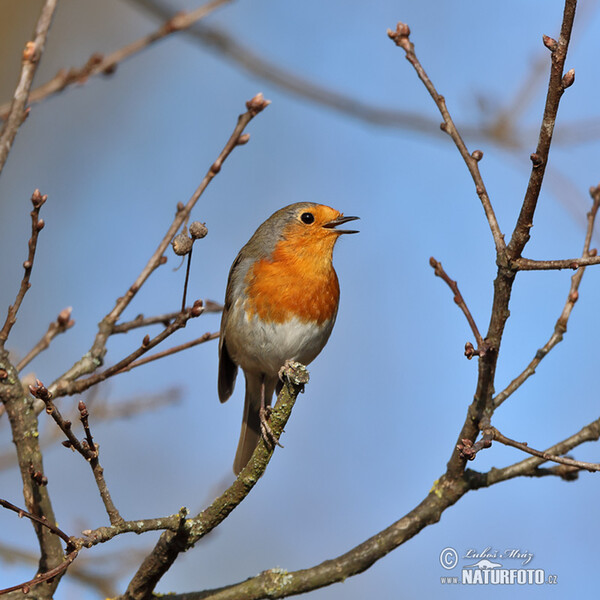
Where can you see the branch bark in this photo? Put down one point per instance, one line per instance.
(32, 55)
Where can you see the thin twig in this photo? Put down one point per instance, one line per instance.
(527, 467)
(87, 449)
(62, 323)
(32, 55)
(557, 85)
(37, 225)
(98, 64)
(526, 264)
(560, 327)
(143, 361)
(187, 278)
(42, 521)
(401, 39)
(563, 460)
(93, 359)
(171, 544)
(458, 298)
(42, 577)
(71, 549)
(141, 321)
(68, 388)
(496, 129)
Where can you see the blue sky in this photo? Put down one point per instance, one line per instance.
(389, 393)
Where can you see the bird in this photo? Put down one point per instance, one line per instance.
(281, 303)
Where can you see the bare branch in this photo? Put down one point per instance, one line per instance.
(563, 460)
(42, 521)
(106, 65)
(561, 324)
(458, 298)
(50, 575)
(171, 544)
(201, 340)
(141, 321)
(71, 550)
(24, 428)
(526, 264)
(68, 388)
(87, 449)
(37, 225)
(539, 159)
(62, 323)
(401, 39)
(93, 359)
(32, 55)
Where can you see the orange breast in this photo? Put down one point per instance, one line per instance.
(298, 280)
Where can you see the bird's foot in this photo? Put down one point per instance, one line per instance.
(265, 429)
(295, 372)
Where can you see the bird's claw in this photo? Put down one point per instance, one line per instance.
(265, 429)
(294, 372)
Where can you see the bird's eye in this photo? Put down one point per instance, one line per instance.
(307, 218)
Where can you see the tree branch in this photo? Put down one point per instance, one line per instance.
(539, 159)
(171, 544)
(143, 361)
(560, 327)
(458, 298)
(60, 325)
(563, 460)
(526, 264)
(32, 55)
(37, 225)
(401, 38)
(88, 449)
(25, 435)
(94, 358)
(106, 65)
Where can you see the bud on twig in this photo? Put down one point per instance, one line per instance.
(257, 104)
(568, 79)
(243, 139)
(536, 159)
(37, 199)
(550, 43)
(64, 317)
(401, 36)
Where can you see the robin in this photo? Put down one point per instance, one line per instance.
(281, 303)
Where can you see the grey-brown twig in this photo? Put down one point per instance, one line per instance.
(142, 361)
(68, 388)
(558, 83)
(32, 55)
(458, 298)
(94, 358)
(87, 448)
(141, 321)
(547, 456)
(98, 64)
(60, 325)
(171, 544)
(526, 264)
(71, 550)
(560, 327)
(37, 225)
(401, 38)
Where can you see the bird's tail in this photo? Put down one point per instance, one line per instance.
(250, 434)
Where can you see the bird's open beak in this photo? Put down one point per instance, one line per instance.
(340, 221)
